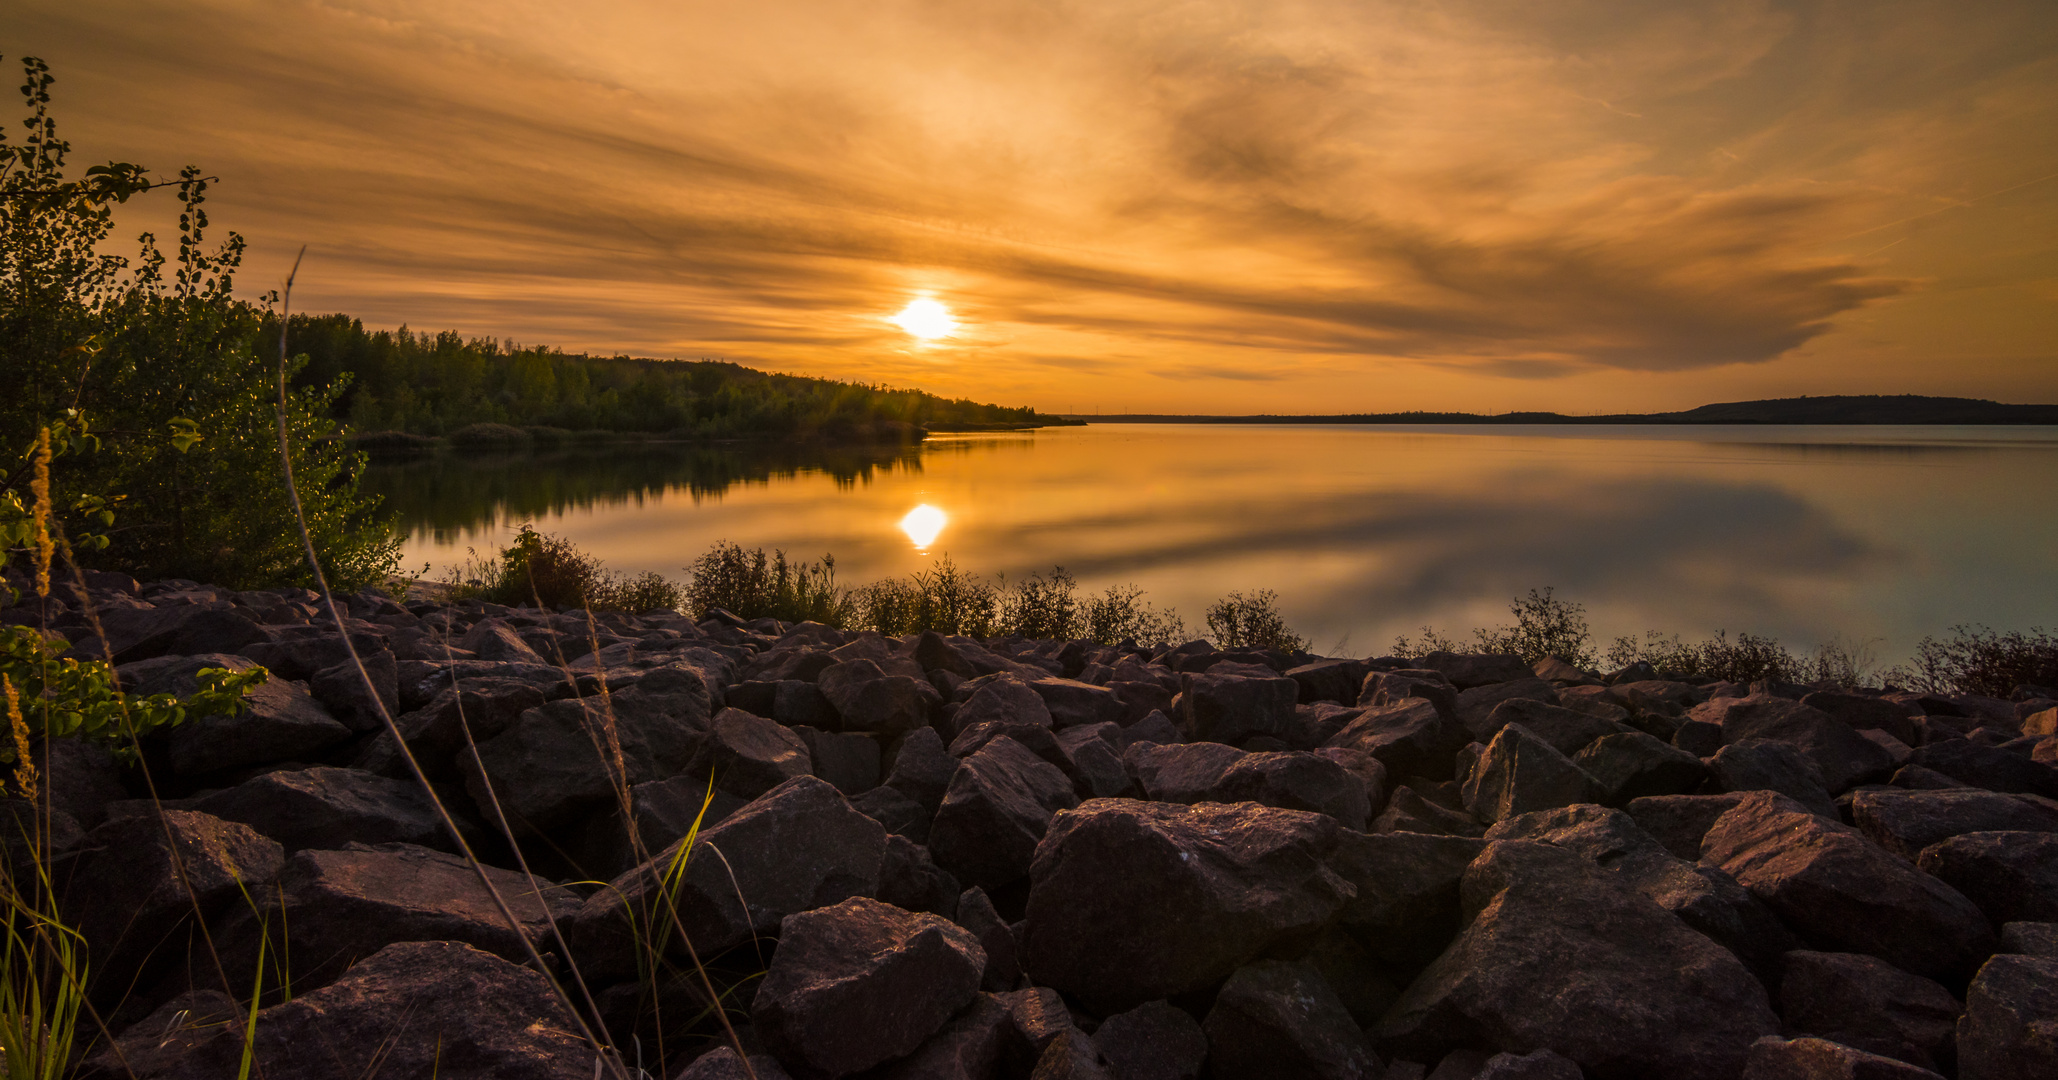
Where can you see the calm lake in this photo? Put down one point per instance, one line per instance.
(1880, 534)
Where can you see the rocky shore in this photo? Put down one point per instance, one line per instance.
(942, 857)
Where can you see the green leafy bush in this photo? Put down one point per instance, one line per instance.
(552, 571)
(752, 585)
(1252, 621)
(80, 699)
(1120, 614)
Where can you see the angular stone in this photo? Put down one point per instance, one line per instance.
(1467, 670)
(1680, 821)
(921, 768)
(749, 755)
(1569, 730)
(1844, 757)
(1842, 892)
(847, 760)
(1330, 680)
(1905, 822)
(1769, 765)
(279, 721)
(1987, 767)
(1003, 966)
(497, 639)
(2030, 938)
(1539, 1065)
(78, 778)
(324, 807)
(1406, 908)
(1073, 703)
(333, 909)
(1092, 758)
(2012, 876)
(866, 698)
(721, 1063)
(1280, 1018)
(1212, 772)
(1242, 878)
(1003, 698)
(1633, 765)
(862, 983)
(900, 815)
(1407, 811)
(1862, 713)
(998, 807)
(129, 896)
(341, 689)
(569, 757)
(1561, 953)
(911, 881)
(1409, 739)
(1399, 687)
(1230, 709)
(1703, 897)
(1476, 706)
(970, 1047)
(665, 810)
(435, 732)
(1153, 1041)
(1774, 1058)
(2010, 1027)
(428, 1008)
(1520, 773)
(1867, 1003)
(797, 847)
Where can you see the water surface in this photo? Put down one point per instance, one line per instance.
(1804, 533)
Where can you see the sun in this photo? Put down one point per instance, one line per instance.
(925, 319)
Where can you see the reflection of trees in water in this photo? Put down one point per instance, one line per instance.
(449, 494)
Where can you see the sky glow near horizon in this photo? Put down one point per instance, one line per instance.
(1307, 206)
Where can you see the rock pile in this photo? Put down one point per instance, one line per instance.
(943, 857)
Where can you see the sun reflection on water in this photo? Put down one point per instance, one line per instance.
(923, 524)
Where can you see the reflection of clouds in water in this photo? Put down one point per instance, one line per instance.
(1733, 553)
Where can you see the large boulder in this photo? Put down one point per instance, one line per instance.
(861, 983)
(2012, 876)
(2010, 1027)
(1842, 892)
(1073, 703)
(1905, 822)
(438, 1009)
(1632, 765)
(1561, 954)
(1406, 908)
(1280, 1018)
(333, 909)
(749, 755)
(1703, 897)
(568, 757)
(1410, 738)
(140, 881)
(325, 807)
(1769, 765)
(797, 847)
(868, 698)
(1213, 772)
(1569, 730)
(1475, 707)
(1520, 773)
(1329, 680)
(1232, 708)
(1468, 670)
(1132, 901)
(1005, 699)
(997, 808)
(1844, 757)
(278, 721)
(497, 639)
(1861, 713)
(1865, 1002)
(1774, 1058)
(1680, 821)
(1153, 1041)
(1988, 767)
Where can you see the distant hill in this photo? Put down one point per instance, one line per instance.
(1839, 409)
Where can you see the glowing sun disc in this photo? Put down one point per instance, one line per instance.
(923, 524)
(926, 319)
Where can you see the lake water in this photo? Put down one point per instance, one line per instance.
(1880, 534)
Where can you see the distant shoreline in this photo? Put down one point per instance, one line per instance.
(1841, 410)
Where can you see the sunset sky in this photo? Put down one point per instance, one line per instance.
(1300, 206)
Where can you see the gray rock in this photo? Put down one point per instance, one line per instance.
(998, 807)
(862, 983)
(325, 807)
(1408, 739)
(1569, 730)
(2031, 938)
(497, 640)
(279, 721)
(847, 760)
(1406, 905)
(1520, 773)
(1987, 767)
(1243, 878)
(1564, 954)
(797, 847)
(1003, 967)
(1092, 757)
(1230, 709)
(1633, 765)
(1844, 893)
(749, 755)
(2010, 1027)
(1862, 713)
(1475, 707)
(1073, 703)
(341, 689)
(1769, 765)
(721, 1063)
(2012, 876)
(1867, 1003)
(1330, 680)
(1399, 687)
(1003, 698)
(560, 761)
(1680, 821)
(1408, 811)
(1468, 670)
(911, 881)
(1843, 756)
(899, 814)
(1153, 1041)
(921, 768)
(1905, 822)
(867, 698)
(1538, 1065)
(1774, 1058)
(1280, 1018)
